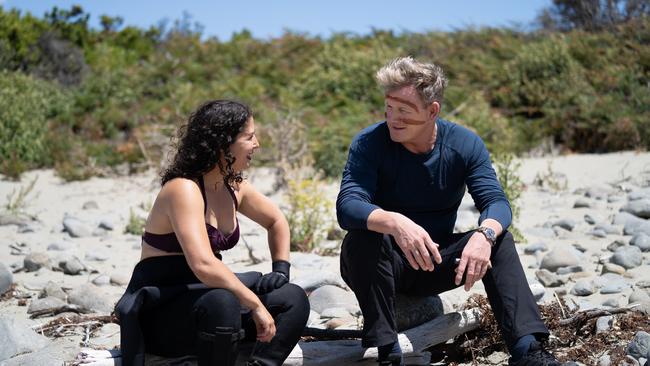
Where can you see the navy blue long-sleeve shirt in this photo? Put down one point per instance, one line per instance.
(427, 188)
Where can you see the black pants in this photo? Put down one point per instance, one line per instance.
(375, 269)
(174, 329)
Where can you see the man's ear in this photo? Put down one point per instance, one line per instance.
(434, 110)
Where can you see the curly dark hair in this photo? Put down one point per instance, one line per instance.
(205, 138)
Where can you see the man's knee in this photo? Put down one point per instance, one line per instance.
(360, 241)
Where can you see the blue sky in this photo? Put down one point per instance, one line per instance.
(270, 18)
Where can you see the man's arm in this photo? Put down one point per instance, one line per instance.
(496, 214)
(355, 210)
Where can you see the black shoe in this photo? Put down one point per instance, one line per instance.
(536, 356)
(393, 359)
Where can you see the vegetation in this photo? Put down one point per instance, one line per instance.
(308, 214)
(88, 101)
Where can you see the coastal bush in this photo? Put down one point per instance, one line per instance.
(26, 107)
(308, 213)
(507, 169)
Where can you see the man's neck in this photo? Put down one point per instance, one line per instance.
(426, 144)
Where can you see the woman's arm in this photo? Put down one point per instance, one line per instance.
(262, 210)
(184, 206)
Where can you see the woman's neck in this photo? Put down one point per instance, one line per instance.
(213, 178)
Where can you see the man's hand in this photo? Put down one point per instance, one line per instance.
(416, 244)
(475, 260)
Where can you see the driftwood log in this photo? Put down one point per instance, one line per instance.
(339, 352)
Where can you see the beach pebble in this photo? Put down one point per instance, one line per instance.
(639, 208)
(643, 284)
(60, 246)
(627, 256)
(570, 269)
(612, 302)
(538, 291)
(6, 278)
(72, 266)
(608, 228)
(559, 257)
(548, 278)
(534, 248)
(53, 289)
(35, 261)
(598, 233)
(604, 323)
(106, 224)
(639, 296)
(98, 255)
(89, 297)
(542, 232)
(312, 280)
(583, 288)
(101, 280)
(76, 228)
(641, 240)
(566, 224)
(639, 346)
(596, 193)
(582, 202)
(17, 337)
(615, 245)
(613, 268)
(90, 205)
(107, 337)
(120, 278)
(329, 296)
(45, 304)
(604, 360)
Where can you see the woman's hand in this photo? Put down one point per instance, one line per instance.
(264, 324)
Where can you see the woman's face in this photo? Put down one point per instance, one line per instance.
(244, 146)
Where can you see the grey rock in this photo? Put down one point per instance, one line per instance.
(107, 337)
(612, 302)
(498, 358)
(52, 289)
(101, 280)
(598, 233)
(615, 245)
(60, 246)
(604, 360)
(639, 346)
(613, 268)
(6, 278)
(336, 312)
(411, 311)
(537, 290)
(90, 205)
(604, 323)
(643, 284)
(615, 287)
(120, 279)
(583, 288)
(628, 257)
(542, 232)
(29, 228)
(608, 278)
(307, 261)
(639, 208)
(608, 228)
(639, 297)
(100, 232)
(17, 337)
(548, 278)
(639, 193)
(58, 352)
(590, 219)
(629, 361)
(89, 297)
(313, 318)
(106, 224)
(329, 296)
(582, 203)
(566, 224)
(97, 255)
(76, 228)
(315, 279)
(35, 261)
(534, 248)
(44, 304)
(72, 266)
(570, 269)
(631, 224)
(559, 257)
(9, 219)
(614, 198)
(641, 240)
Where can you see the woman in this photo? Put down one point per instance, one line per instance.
(182, 299)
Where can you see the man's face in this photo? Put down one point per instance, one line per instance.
(409, 120)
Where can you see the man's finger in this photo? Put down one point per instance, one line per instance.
(424, 253)
(471, 275)
(433, 249)
(410, 259)
(418, 258)
(460, 270)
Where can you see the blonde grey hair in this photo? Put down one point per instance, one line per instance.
(428, 79)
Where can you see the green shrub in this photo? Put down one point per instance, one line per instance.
(135, 225)
(507, 169)
(26, 106)
(307, 214)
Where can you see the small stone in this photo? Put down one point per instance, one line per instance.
(613, 268)
(106, 224)
(35, 261)
(589, 219)
(608, 228)
(579, 247)
(604, 323)
(90, 205)
(615, 245)
(598, 233)
(101, 280)
(582, 203)
(548, 278)
(534, 248)
(641, 240)
(538, 291)
(570, 269)
(638, 297)
(75, 227)
(6, 278)
(53, 289)
(72, 266)
(120, 279)
(639, 208)
(89, 297)
(559, 257)
(643, 284)
(566, 224)
(628, 257)
(45, 304)
(640, 345)
(97, 256)
(605, 360)
(612, 302)
(583, 288)
(60, 246)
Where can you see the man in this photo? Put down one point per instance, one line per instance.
(401, 189)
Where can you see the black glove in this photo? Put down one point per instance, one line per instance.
(275, 279)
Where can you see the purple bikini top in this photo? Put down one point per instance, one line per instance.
(218, 241)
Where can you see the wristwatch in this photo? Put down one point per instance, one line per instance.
(490, 235)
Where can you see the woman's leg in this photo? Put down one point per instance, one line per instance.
(290, 308)
(205, 323)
